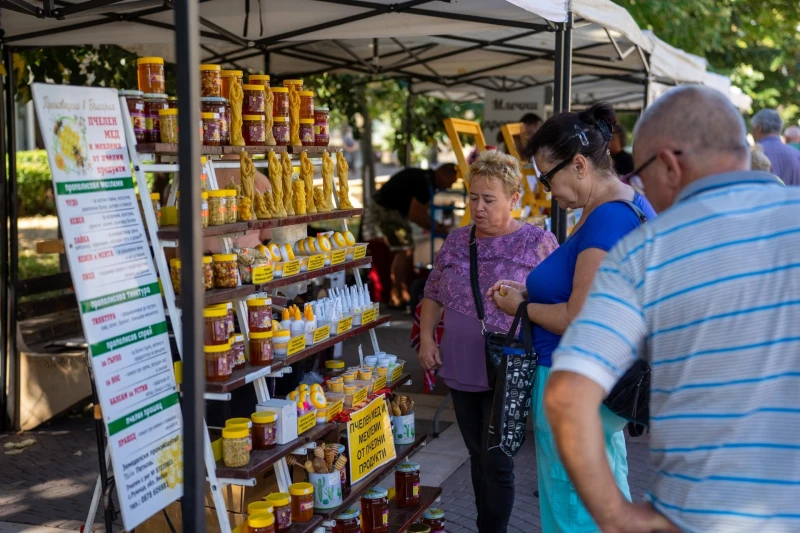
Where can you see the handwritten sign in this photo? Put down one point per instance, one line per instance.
(297, 344)
(368, 316)
(334, 409)
(360, 395)
(369, 439)
(338, 257)
(380, 383)
(344, 325)
(360, 252)
(320, 334)
(306, 422)
(315, 262)
(397, 372)
(263, 274)
(291, 268)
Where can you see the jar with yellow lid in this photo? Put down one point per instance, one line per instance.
(280, 130)
(204, 208)
(302, 501)
(298, 84)
(253, 103)
(168, 125)
(261, 523)
(259, 79)
(259, 314)
(212, 130)
(210, 80)
(155, 200)
(282, 505)
(153, 103)
(259, 506)
(244, 423)
(334, 368)
(280, 102)
(218, 105)
(260, 348)
(235, 447)
(218, 362)
(280, 342)
(227, 77)
(150, 74)
(254, 130)
(232, 205)
(172, 102)
(307, 105)
(238, 354)
(175, 274)
(203, 176)
(215, 329)
(208, 273)
(226, 271)
(265, 430)
(306, 132)
(217, 207)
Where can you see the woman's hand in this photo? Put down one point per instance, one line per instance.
(510, 302)
(429, 356)
(497, 287)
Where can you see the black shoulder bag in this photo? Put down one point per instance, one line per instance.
(630, 397)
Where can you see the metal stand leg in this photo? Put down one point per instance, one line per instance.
(438, 413)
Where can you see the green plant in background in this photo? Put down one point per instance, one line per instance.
(34, 185)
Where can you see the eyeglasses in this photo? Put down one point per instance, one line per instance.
(637, 171)
(545, 178)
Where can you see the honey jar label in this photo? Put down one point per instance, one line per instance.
(380, 383)
(360, 395)
(297, 344)
(334, 409)
(344, 325)
(320, 334)
(291, 268)
(338, 257)
(368, 316)
(315, 262)
(306, 422)
(360, 252)
(262, 274)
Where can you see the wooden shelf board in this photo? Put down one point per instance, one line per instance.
(304, 219)
(400, 518)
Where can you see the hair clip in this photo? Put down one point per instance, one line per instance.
(581, 135)
(605, 129)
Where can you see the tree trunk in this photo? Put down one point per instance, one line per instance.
(367, 156)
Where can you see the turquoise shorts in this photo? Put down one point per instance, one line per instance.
(561, 508)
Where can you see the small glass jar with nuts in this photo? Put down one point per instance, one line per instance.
(217, 207)
(226, 271)
(175, 274)
(208, 273)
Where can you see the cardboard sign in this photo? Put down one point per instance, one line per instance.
(291, 268)
(345, 324)
(338, 257)
(368, 316)
(360, 252)
(321, 334)
(118, 292)
(315, 262)
(297, 344)
(263, 274)
(369, 439)
(334, 409)
(306, 422)
(380, 383)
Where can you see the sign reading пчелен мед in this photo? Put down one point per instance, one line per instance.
(369, 438)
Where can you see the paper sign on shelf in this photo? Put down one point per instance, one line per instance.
(334, 409)
(118, 292)
(397, 373)
(315, 262)
(369, 439)
(338, 257)
(345, 324)
(321, 334)
(360, 252)
(291, 268)
(380, 383)
(297, 344)
(368, 316)
(263, 274)
(360, 395)
(306, 422)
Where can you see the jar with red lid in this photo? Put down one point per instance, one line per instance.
(406, 484)
(227, 77)
(375, 511)
(434, 518)
(280, 130)
(261, 523)
(347, 522)
(307, 131)
(218, 362)
(210, 80)
(218, 105)
(150, 74)
(211, 129)
(307, 105)
(281, 502)
(215, 329)
(135, 103)
(238, 355)
(253, 103)
(260, 348)
(280, 102)
(321, 135)
(302, 502)
(254, 130)
(259, 314)
(153, 103)
(265, 430)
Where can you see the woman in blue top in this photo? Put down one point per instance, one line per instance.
(571, 152)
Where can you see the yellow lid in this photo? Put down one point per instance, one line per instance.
(257, 118)
(150, 61)
(230, 192)
(224, 257)
(203, 160)
(263, 417)
(279, 499)
(256, 302)
(211, 67)
(280, 119)
(260, 334)
(208, 115)
(281, 333)
(214, 312)
(279, 89)
(259, 506)
(207, 259)
(235, 433)
(204, 195)
(306, 93)
(229, 73)
(155, 196)
(167, 112)
(216, 348)
(237, 422)
(301, 489)
(260, 520)
(175, 262)
(307, 121)
(219, 193)
(254, 77)
(252, 87)
(293, 82)
(333, 363)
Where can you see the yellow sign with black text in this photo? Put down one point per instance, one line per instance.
(263, 274)
(344, 325)
(320, 334)
(369, 316)
(315, 262)
(297, 344)
(338, 257)
(334, 409)
(306, 422)
(380, 383)
(369, 439)
(360, 252)
(291, 268)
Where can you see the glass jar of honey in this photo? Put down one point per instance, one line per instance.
(153, 103)
(260, 348)
(218, 362)
(280, 130)
(168, 125)
(321, 135)
(302, 501)
(298, 84)
(172, 102)
(254, 130)
(212, 132)
(220, 107)
(435, 519)
(307, 105)
(280, 102)
(265, 430)
(232, 204)
(215, 330)
(253, 103)
(375, 511)
(347, 522)
(261, 523)
(259, 314)
(150, 74)
(238, 356)
(259, 79)
(135, 102)
(227, 77)
(307, 132)
(281, 502)
(210, 80)
(406, 483)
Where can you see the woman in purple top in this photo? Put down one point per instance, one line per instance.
(507, 248)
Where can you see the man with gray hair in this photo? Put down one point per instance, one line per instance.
(791, 136)
(706, 293)
(767, 126)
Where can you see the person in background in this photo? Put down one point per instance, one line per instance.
(570, 151)
(351, 150)
(791, 136)
(531, 122)
(706, 293)
(759, 160)
(767, 125)
(506, 247)
(623, 161)
(405, 198)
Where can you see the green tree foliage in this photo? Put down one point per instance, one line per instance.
(754, 42)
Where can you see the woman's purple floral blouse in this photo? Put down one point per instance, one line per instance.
(511, 256)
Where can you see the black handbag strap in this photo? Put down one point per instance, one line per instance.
(527, 335)
(473, 277)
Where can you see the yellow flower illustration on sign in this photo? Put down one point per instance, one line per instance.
(170, 463)
(69, 142)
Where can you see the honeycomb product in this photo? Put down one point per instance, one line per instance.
(235, 446)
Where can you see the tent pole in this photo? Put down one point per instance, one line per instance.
(13, 272)
(562, 93)
(409, 122)
(187, 44)
(3, 269)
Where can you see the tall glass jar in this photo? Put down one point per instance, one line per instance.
(307, 105)
(238, 352)
(253, 103)
(232, 204)
(375, 511)
(321, 135)
(135, 103)
(406, 482)
(218, 362)
(259, 314)
(281, 502)
(280, 102)
(168, 125)
(227, 77)
(215, 329)
(150, 74)
(210, 80)
(153, 103)
(217, 208)
(302, 502)
(212, 130)
(219, 106)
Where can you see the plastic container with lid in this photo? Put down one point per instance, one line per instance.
(226, 271)
(406, 483)
(235, 446)
(259, 314)
(280, 130)
(227, 77)
(307, 132)
(212, 129)
(280, 342)
(175, 274)
(254, 130)
(261, 523)
(204, 209)
(215, 324)
(307, 105)
(260, 348)
(265, 430)
(135, 102)
(238, 355)
(281, 502)
(232, 205)
(348, 521)
(280, 102)
(321, 134)
(210, 80)
(218, 362)
(435, 519)
(150, 74)
(253, 103)
(218, 105)
(259, 506)
(155, 200)
(217, 208)
(334, 368)
(168, 125)
(208, 273)
(243, 423)
(375, 511)
(153, 103)
(302, 501)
